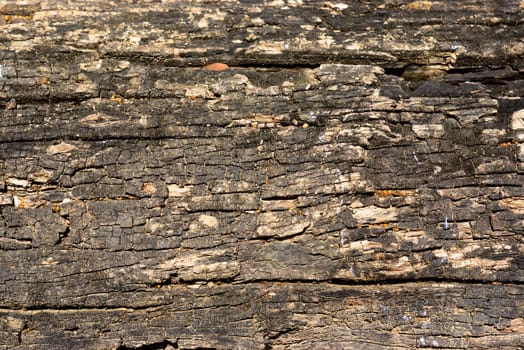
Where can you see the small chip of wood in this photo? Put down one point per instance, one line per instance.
(216, 66)
(11, 104)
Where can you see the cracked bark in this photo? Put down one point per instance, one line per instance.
(353, 179)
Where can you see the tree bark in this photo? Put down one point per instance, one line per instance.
(350, 175)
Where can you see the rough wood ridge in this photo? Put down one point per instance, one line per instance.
(350, 176)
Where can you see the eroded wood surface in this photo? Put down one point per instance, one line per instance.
(350, 176)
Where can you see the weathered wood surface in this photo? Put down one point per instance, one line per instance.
(297, 199)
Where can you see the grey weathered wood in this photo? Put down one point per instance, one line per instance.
(354, 179)
(282, 315)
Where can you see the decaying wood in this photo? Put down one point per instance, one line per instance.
(281, 175)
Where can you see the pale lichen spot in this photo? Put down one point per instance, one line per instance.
(143, 120)
(276, 3)
(442, 254)
(410, 236)
(13, 322)
(86, 88)
(493, 132)
(199, 91)
(516, 205)
(258, 22)
(149, 188)
(517, 123)
(13, 181)
(49, 261)
(340, 6)
(420, 5)
(91, 66)
(365, 246)
(425, 131)
(135, 39)
(325, 41)
(41, 176)
(203, 265)
(21, 45)
(371, 214)
(152, 226)
(517, 325)
(98, 120)
(458, 260)
(208, 220)
(18, 201)
(203, 23)
(516, 48)
(62, 147)
(265, 47)
(175, 190)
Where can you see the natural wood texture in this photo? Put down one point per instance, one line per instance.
(281, 175)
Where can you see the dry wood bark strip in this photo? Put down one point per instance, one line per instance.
(395, 33)
(364, 182)
(284, 315)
